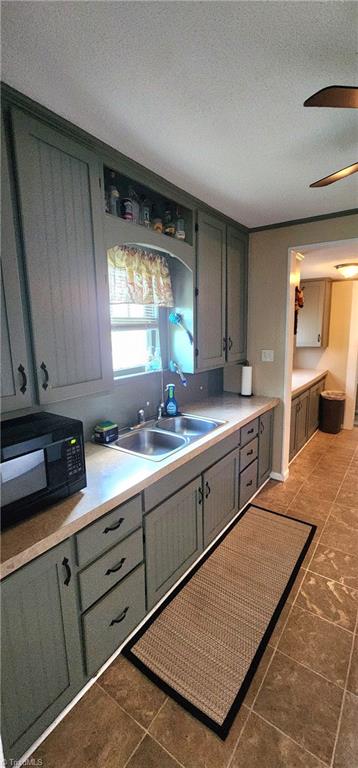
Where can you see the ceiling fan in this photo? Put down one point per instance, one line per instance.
(342, 97)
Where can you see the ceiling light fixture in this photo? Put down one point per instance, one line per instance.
(348, 270)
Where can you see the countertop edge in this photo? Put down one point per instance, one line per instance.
(60, 535)
(309, 383)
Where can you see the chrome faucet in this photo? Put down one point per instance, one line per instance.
(160, 411)
(173, 366)
(140, 416)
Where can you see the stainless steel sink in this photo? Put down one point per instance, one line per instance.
(192, 427)
(150, 443)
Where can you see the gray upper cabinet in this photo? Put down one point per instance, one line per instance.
(265, 446)
(221, 495)
(236, 304)
(41, 655)
(211, 286)
(173, 539)
(61, 207)
(15, 390)
(313, 320)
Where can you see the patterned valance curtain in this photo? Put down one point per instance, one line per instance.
(138, 276)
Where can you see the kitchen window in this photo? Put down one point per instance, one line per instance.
(135, 339)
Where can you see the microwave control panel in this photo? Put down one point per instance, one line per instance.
(74, 459)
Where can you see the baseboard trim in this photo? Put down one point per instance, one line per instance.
(281, 476)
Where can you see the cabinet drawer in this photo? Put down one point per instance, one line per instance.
(248, 453)
(108, 623)
(108, 530)
(248, 483)
(249, 431)
(102, 575)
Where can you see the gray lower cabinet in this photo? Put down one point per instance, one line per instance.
(313, 416)
(302, 420)
(265, 446)
(211, 286)
(220, 495)
(173, 535)
(248, 483)
(304, 416)
(42, 666)
(15, 374)
(60, 205)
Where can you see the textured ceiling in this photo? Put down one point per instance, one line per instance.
(320, 260)
(207, 94)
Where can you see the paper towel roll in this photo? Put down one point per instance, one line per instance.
(246, 380)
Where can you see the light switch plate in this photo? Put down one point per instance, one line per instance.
(267, 355)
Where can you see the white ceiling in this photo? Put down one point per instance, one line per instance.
(207, 94)
(320, 260)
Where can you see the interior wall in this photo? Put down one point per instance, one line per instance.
(340, 357)
(267, 317)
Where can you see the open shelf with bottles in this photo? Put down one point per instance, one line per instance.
(138, 204)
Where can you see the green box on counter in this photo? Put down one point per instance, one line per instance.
(105, 432)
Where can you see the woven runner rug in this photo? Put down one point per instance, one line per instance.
(204, 643)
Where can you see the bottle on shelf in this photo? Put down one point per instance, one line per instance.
(145, 212)
(169, 225)
(127, 209)
(180, 226)
(113, 196)
(135, 204)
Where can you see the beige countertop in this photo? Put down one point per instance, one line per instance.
(305, 377)
(113, 477)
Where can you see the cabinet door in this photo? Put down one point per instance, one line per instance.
(61, 210)
(294, 407)
(173, 539)
(302, 420)
(313, 415)
(41, 653)
(15, 392)
(265, 446)
(310, 319)
(236, 309)
(210, 321)
(221, 495)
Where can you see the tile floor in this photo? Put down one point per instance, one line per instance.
(301, 710)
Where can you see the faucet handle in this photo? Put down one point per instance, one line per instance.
(160, 411)
(140, 416)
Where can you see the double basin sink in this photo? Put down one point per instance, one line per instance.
(158, 440)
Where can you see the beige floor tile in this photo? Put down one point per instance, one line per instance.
(341, 529)
(302, 704)
(329, 600)
(262, 746)
(352, 684)
(346, 755)
(333, 564)
(150, 755)
(296, 587)
(320, 489)
(310, 509)
(348, 493)
(132, 690)
(192, 743)
(317, 644)
(259, 676)
(95, 733)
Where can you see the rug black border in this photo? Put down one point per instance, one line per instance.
(223, 729)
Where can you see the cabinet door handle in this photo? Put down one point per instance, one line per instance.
(120, 617)
(249, 453)
(230, 342)
(208, 490)
(21, 370)
(115, 526)
(200, 494)
(319, 337)
(46, 375)
(66, 565)
(249, 483)
(117, 567)
(224, 344)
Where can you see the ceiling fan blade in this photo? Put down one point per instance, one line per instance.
(334, 96)
(336, 176)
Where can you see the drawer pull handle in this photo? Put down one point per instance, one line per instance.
(115, 526)
(249, 453)
(250, 431)
(249, 483)
(208, 490)
(66, 565)
(117, 568)
(120, 617)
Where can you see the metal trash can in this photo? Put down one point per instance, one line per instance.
(331, 411)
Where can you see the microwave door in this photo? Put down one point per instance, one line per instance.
(23, 476)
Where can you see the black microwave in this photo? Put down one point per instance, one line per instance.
(42, 461)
